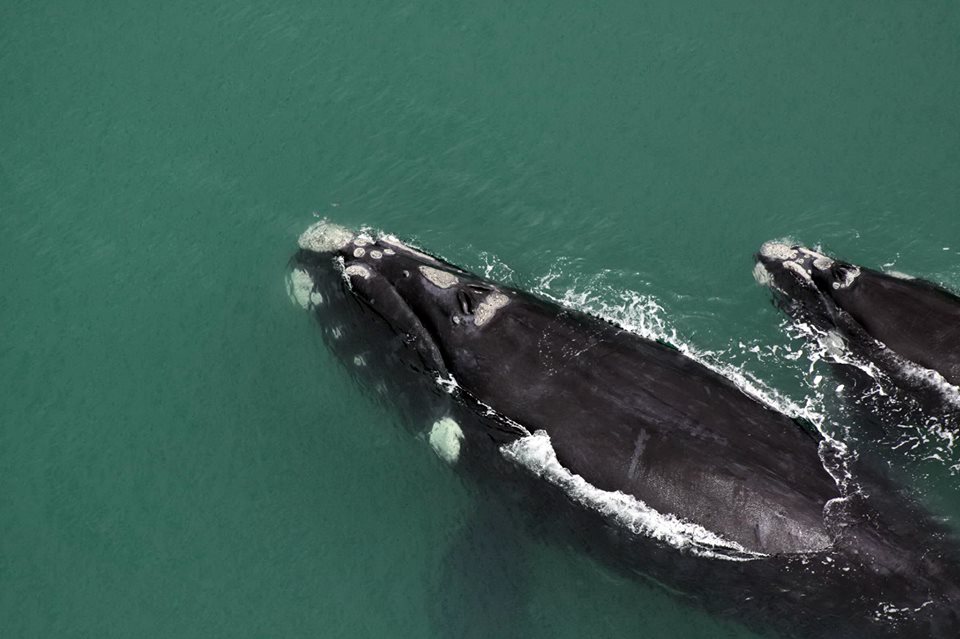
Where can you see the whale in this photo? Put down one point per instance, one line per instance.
(647, 459)
(903, 328)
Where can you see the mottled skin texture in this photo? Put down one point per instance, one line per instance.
(632, 415)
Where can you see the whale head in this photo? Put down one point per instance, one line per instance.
(426, 311)
(807, 282)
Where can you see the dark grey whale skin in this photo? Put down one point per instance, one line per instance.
(884, 319)
(632, 415)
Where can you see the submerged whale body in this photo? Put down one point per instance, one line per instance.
(908, 328)
(657, 464)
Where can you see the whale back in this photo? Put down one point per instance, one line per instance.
(631, 415)
(916, 319)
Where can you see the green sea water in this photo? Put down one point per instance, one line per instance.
(180, 457)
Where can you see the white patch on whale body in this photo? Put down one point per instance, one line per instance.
(358, 252)
(777, 251)
(362, 239)
(822, 263)
(300, 288)
(376, 254)
(489, 306)
(536, 454)
(762, 275)
(325, 237)
(445, 439)
(357, 269)
(440, 279)
(848, 278)
(798, 269)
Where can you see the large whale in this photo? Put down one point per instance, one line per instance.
(628, 448)
(907, 328)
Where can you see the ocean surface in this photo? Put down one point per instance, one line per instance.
(181, 457)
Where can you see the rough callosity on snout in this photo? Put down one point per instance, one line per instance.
(777, 251)
(325, 237)
(814, 269)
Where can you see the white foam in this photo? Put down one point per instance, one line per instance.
(536, 454)
(325, 237)
(933, 438)
(932, 378)
(899, 275)
(643, 316)
(395, 242)
(445, 439)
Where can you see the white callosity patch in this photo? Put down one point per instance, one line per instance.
(300, 288)
(489, 306)
(325, 237)
(376, 254)
(798, 269)
(536, 454)
(357, 269)
(822, 263)
(358, 252)
(440, 279)
(762, 275)
(363, 239)
(849, 276)
(777, 251)
(445, 438)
